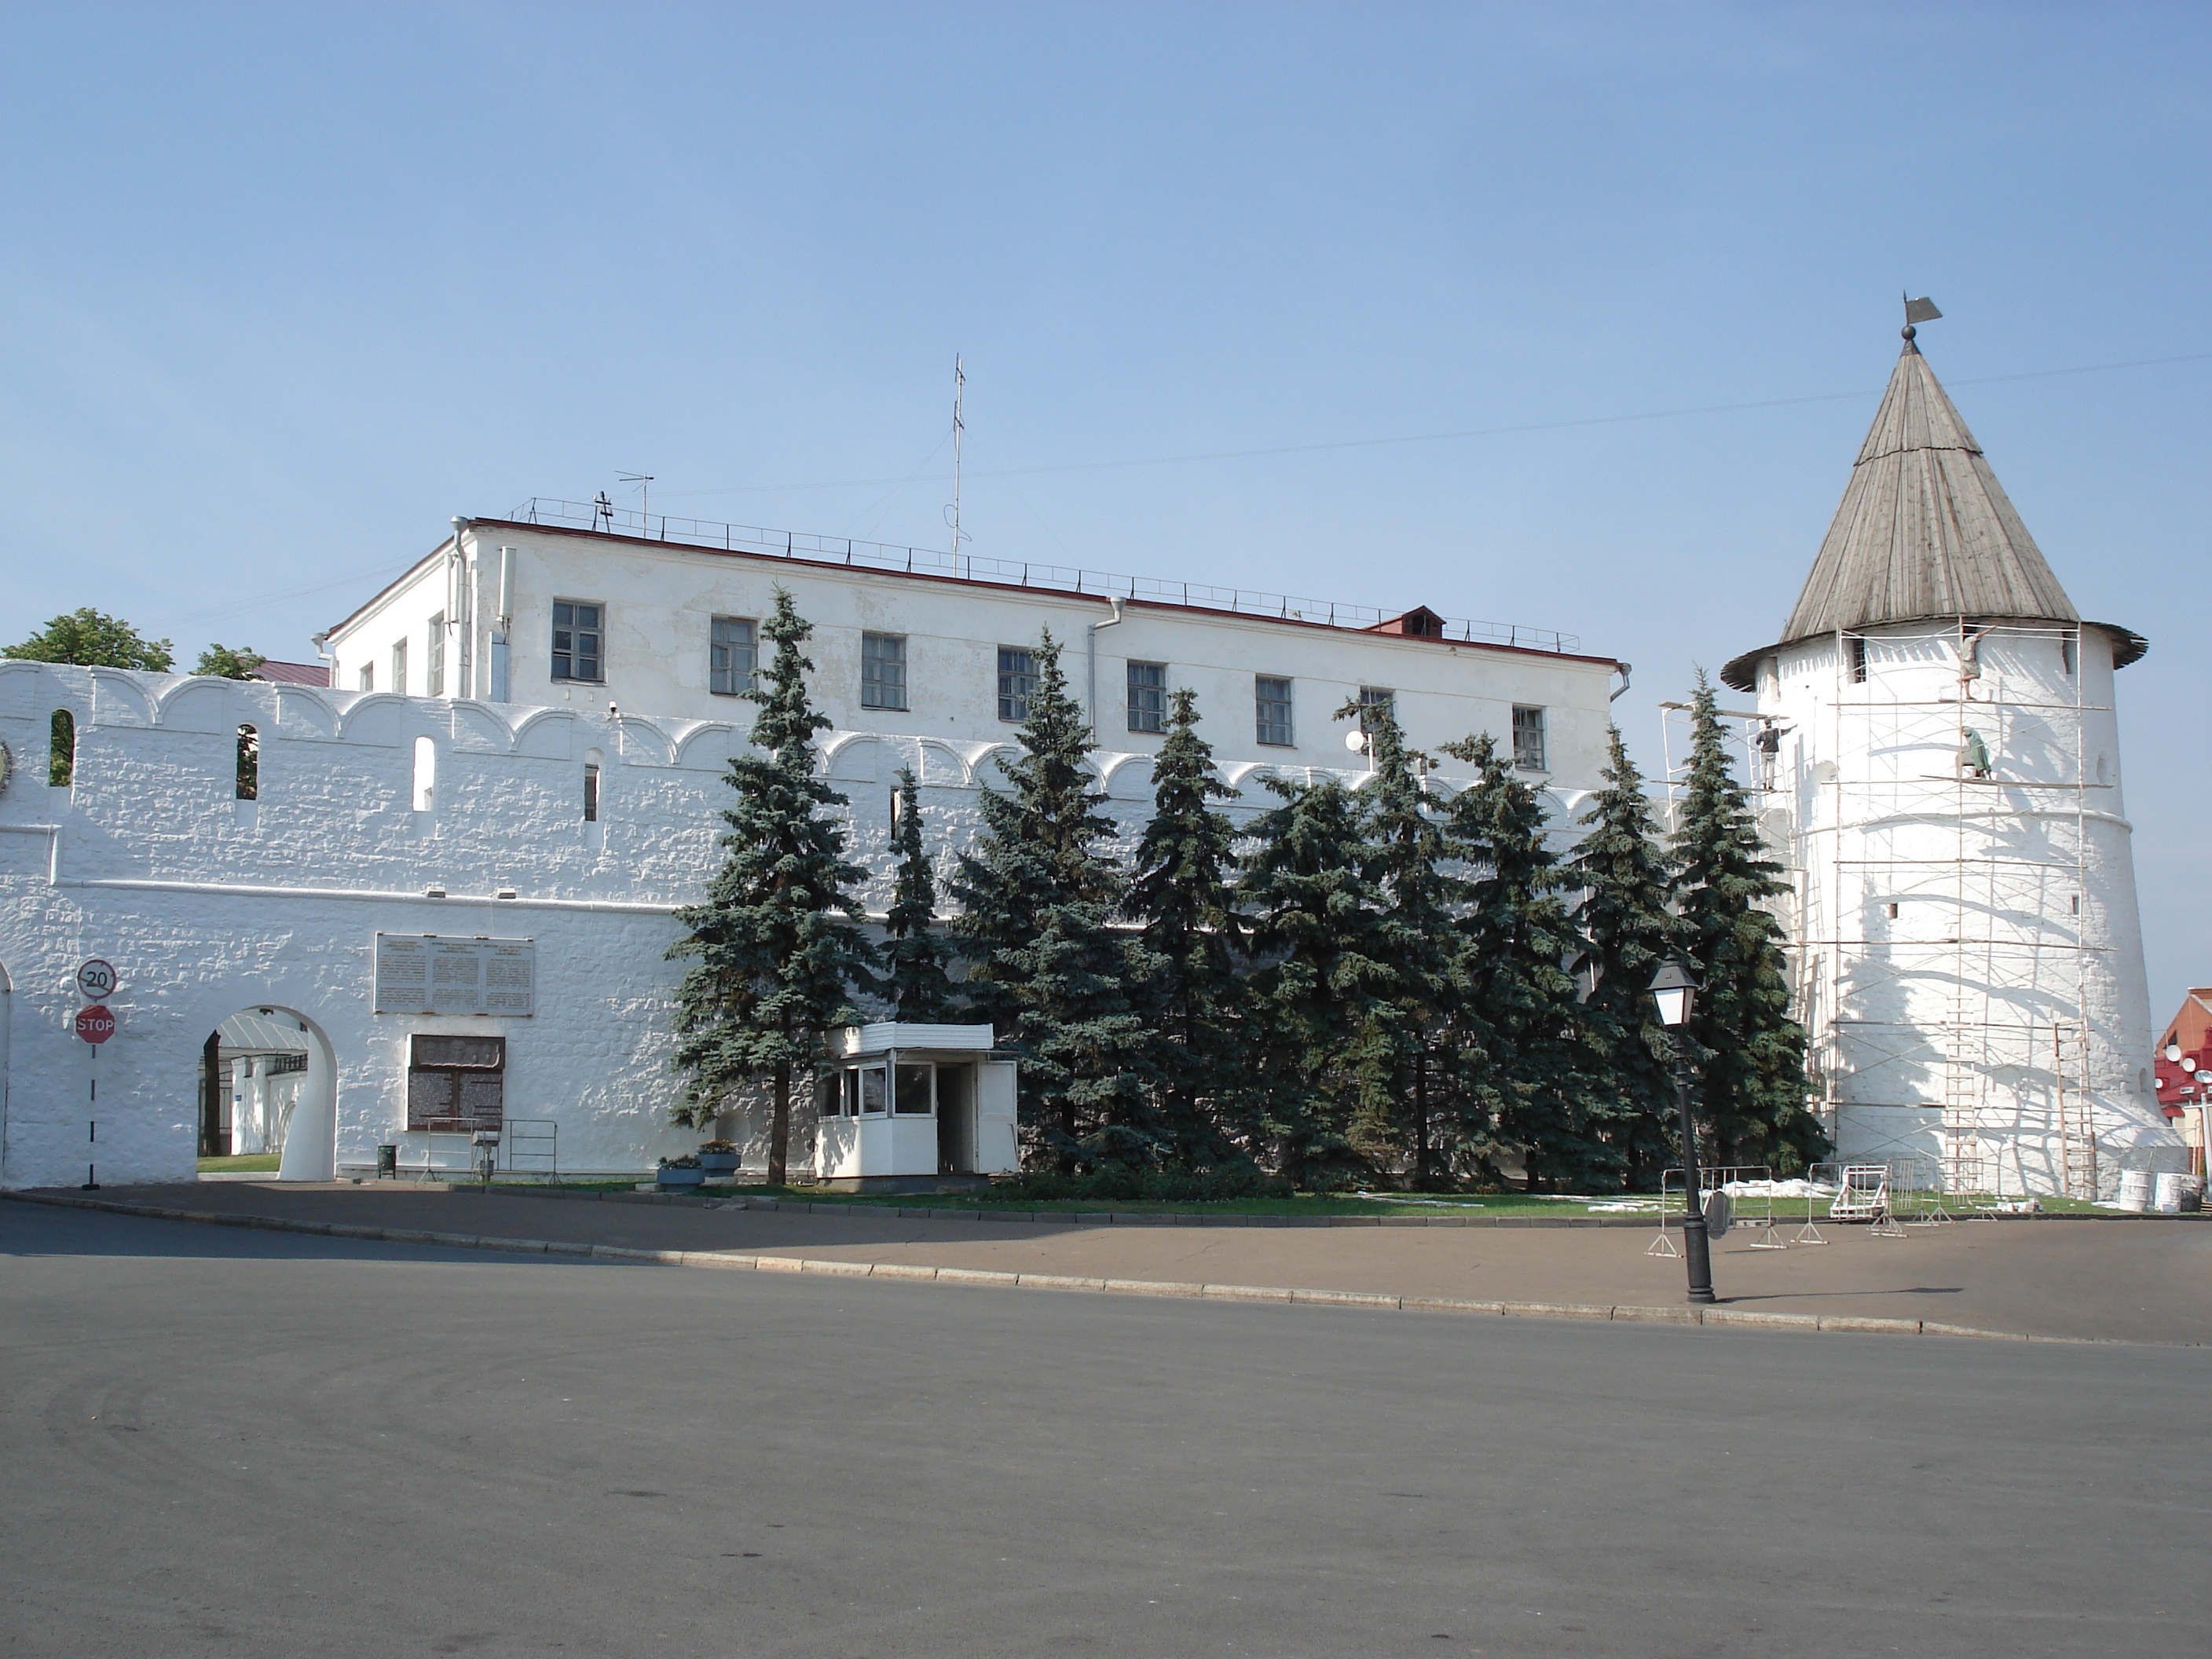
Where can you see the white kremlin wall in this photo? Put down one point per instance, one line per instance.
(208, 905)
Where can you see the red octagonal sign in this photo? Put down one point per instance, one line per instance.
(95, 1025)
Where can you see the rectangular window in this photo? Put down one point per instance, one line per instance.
(1378, 697)
(1858, 661)
(1529, 739)
(1271, 709)
(579, 640)
(433, 659)
(1148, 696)
(731, 655)
(915, 1096)
(833, 1094)
(456, 1083)
(367, 676)
(591, 793)
(883, 670)
(1017, 682)
(399, 667)
(871, 1091)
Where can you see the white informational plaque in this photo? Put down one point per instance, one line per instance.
(426, 974)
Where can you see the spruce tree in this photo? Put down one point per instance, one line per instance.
(773, 966)
(1322, 980)
(1621, 867)
(1751, 1086)
(1517, 937)
(1398, 1047)
(1181, 896)
(919, 990)
(1037, 898)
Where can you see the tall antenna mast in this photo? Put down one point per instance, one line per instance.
(644, 482)
(959, 436)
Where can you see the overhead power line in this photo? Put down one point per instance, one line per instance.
(1442, 437)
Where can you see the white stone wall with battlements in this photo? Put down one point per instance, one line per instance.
(208, 904)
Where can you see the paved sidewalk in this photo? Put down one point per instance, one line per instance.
(2128, 1281)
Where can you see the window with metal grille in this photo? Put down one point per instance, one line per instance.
(1529, 739)
(1858, 661)
(249, 764)
(733, 654)
(1271, 710)
(579, 640)
(1017, 682)
(1148, 696)
(433, 658)
(883, 670)
(591, 793)
(456, 1083)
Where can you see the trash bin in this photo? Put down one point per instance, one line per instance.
(2179, 1194)
(388, 1162)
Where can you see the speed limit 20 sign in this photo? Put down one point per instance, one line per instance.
(97, 979)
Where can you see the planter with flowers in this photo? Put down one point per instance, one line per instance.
(719, 1157)
(679, 1173)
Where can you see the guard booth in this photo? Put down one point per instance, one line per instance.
(915, 1109)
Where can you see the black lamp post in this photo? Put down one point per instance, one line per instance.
(1674, 990)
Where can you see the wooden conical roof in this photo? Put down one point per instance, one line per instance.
(1925, 532)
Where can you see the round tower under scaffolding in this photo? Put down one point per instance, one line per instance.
(1938, 755)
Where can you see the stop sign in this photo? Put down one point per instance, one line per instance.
(95, 1025)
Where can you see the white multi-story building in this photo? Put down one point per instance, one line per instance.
(444, 887)
(1942, 761)
(556, 607)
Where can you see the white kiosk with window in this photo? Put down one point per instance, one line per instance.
(907, 1108)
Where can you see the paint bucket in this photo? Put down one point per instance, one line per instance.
(2179, 1194)
(2136, 1190)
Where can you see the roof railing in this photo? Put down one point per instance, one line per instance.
(967, 567)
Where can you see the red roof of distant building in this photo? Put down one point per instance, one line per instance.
(2190, 1031)
(293, 673)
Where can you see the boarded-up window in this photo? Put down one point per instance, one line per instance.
(456, 1083)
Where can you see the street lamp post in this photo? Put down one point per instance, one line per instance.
(1674, 990)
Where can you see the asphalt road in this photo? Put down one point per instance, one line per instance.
(214, 1441)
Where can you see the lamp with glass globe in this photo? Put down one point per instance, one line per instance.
(1674, 990)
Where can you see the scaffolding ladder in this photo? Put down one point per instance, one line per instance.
(2077, 1126)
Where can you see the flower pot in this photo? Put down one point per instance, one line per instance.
(719, 1164)
(679, 1180)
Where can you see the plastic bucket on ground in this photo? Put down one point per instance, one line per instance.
(2136, 1190)
(2179, 1194)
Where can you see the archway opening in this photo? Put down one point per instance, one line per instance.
(267, 1103)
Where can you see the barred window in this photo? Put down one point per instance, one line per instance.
(1017, 682)
(1271, 708)
(579, 639)
(1148, 696)
(733, 654)
(1529, 739)
(883, 670)
(456, 1083)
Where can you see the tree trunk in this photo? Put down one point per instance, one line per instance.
(779, 1128)
(1423, 1174)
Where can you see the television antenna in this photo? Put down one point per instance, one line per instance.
(959, 434)
(644, 482)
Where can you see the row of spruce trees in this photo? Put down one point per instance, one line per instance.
(1359, 983)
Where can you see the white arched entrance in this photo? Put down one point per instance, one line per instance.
(273, 1069)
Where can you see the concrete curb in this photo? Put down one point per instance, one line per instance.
(727, 1198)
(1741, 1318)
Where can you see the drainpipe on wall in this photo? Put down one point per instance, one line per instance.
(1091, 672)
(500, 623)
(460, 615)
(324, 656)
(1623, 670)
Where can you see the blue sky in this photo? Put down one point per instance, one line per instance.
(282, 289)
